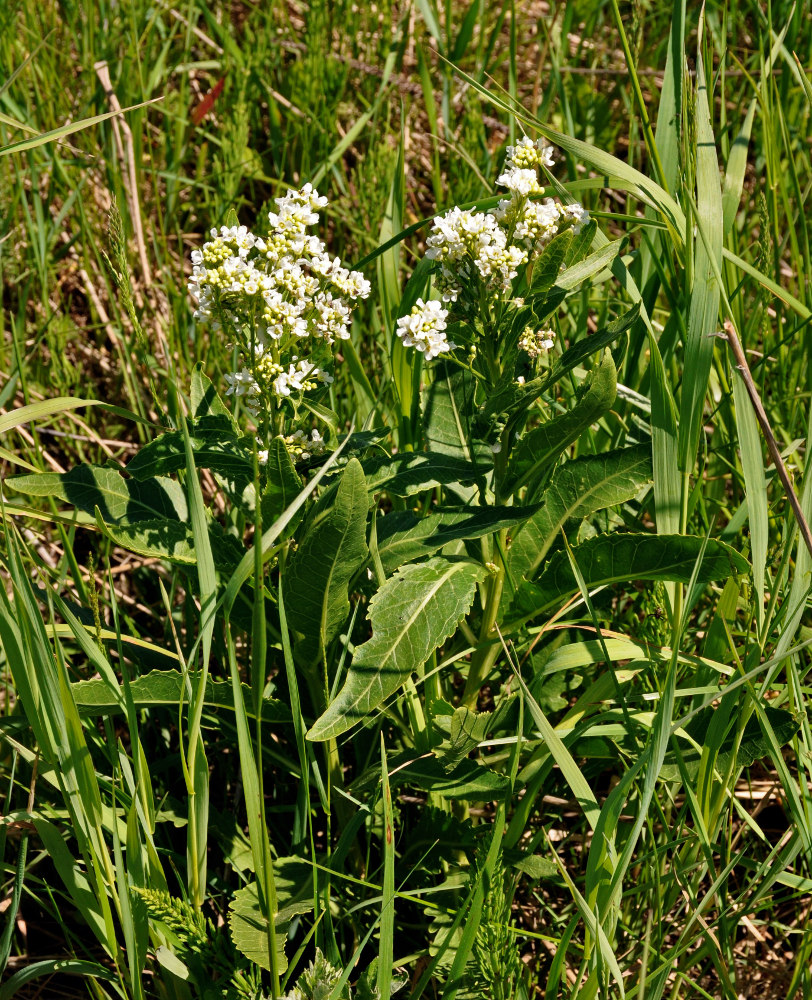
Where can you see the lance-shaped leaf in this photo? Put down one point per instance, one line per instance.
(624, 557)
(404, 535)
(540, 448)
(284, 483)
(448, 405)
(546, 268)
(411, 615)
(332, 551)
(589, 266)
(412, 472)
(120, 500)
(215, 446)
(577, 490)
(511, 397)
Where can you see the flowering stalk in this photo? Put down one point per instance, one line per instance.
(284, 302)
(486, 277)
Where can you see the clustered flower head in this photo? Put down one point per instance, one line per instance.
(479, 255)
(536, 342)
(424, 328)
(281, 297)
(300, 446)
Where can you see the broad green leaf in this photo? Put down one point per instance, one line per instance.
(165, 687)
(447, 407)
(577, 490)
(622, 557)
(171, 540)
(284, 482)
(546, 268)
(581, 243)
(513, 397)
(404, 535)
(541, 447)
(412, 472)
(249, 925)
(120, 500)
(411, 615)
(467, 779)
(329, 555)
(598, 261)
(204, 397)
(467, 731)
(215, 446)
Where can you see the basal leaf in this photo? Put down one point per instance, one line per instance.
(578, 489)
(624, 557)
(411, 615)
(165, 687)
(293, 879)
(120, 500)
(329, 555)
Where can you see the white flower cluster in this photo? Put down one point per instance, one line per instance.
(424, 329)
(300, 446)
(491, 247)
(272, 292)
(536, 342)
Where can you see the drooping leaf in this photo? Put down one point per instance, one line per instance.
(215, 446)
(293, 879)
(329, 555)
(412, 472)
(120, 500)
(164, 688)
(404, 535)
(411, 615)
(577, 490)
(540, 448)
(624, 557)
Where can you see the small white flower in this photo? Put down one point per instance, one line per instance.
(424, 328)
(522, 182)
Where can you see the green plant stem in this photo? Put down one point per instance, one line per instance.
(487, 652)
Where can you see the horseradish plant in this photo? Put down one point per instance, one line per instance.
(384, 587)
